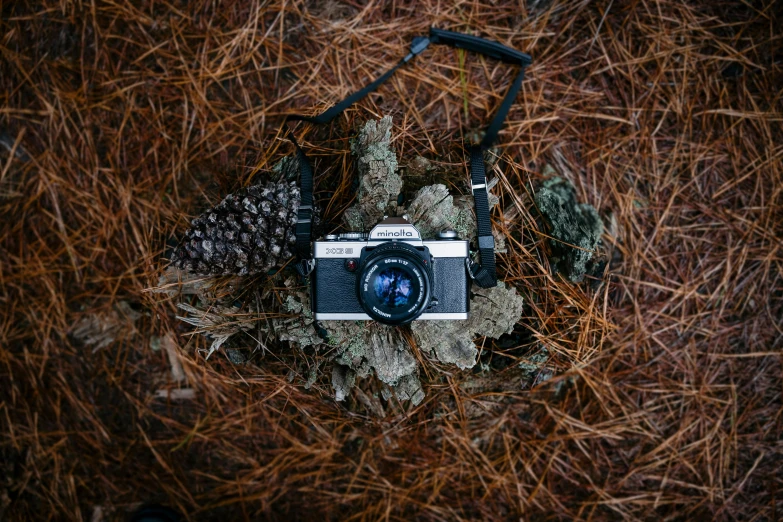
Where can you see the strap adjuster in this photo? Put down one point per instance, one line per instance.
(475, 187)
(486, 242)
(304, 214)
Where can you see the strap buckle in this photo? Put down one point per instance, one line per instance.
(417, 47)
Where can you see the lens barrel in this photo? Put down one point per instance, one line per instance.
(394, 283)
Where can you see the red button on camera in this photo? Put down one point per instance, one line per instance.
(351, 265)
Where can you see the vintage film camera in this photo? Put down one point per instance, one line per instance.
(390, 275)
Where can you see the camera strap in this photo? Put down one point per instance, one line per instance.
(483, 272)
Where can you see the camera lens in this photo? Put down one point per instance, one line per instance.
(394, 284)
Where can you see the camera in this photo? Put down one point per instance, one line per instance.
(390, 275)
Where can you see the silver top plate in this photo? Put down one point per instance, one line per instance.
(349, 249)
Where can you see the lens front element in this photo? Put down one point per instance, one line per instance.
(394, 285)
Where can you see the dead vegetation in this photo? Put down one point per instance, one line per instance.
(120, 121)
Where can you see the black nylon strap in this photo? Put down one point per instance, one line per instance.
(483, 272)
(483, 46)
(417, 46)
(304, 215)
(334, 111)
(497, 122)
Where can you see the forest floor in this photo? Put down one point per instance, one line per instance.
(121, 121)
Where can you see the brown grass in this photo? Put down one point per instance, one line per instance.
(120, 120)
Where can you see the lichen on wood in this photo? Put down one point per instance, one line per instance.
(493, 312)
(379, 182)
(434, 209)
(361, 347)
(575, 227)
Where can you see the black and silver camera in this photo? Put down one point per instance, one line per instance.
(390, 275)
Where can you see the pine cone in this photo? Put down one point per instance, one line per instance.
(249, 232)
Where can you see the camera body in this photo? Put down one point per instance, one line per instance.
(390, 275)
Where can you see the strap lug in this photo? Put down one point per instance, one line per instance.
(305, 267)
